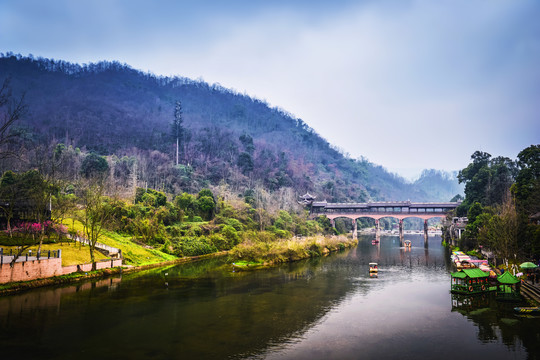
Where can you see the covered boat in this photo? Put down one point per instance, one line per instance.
(470, 282)
(373, 267)
(508, 288)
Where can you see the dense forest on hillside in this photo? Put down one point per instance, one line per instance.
(502, 205)
(227, 139)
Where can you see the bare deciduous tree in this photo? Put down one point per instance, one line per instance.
(10, 111)
(96, 214)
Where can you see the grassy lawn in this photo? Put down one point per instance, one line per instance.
(72, 254)
(134, 254)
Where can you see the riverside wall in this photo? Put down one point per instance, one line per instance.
(40, 269)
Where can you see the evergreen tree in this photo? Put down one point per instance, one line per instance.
(177, 129)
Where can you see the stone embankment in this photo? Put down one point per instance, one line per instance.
(85, 273)
(31, 267)
(44, 268)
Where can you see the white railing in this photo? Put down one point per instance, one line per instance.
(111, 250)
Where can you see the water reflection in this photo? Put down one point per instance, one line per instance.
(496, 322)
(319, 308)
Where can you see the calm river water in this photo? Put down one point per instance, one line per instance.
(326, 308)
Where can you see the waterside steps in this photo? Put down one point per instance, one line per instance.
(531, 291)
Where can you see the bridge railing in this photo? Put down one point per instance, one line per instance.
(362, 211)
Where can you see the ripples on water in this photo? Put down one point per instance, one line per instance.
(326, 308)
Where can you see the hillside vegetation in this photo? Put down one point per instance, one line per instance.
(164, 168)
(227, 139)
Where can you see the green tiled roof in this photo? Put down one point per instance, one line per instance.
(472, 273)
(475, 273)
(459, 274)
(507, 278)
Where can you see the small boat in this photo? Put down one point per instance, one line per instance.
(527, 310)
(373, 267)
(407, 243)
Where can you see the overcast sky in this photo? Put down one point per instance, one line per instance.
(407, 84)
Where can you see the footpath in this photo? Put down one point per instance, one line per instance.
(531, 290)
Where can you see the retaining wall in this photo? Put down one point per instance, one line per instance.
(39, 269)
(30, 270)
(103, 264)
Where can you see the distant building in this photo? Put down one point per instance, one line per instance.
(306, 199)
(535, 219)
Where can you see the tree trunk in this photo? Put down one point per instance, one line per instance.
(41, 236)
(9, 227)
(92, 257)
(176, 150)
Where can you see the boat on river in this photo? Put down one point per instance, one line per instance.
(407, 243)
(527, 310)
(470, 282)
(373, 267)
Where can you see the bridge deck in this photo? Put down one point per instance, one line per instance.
(382, 209)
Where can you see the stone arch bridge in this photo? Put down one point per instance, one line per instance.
(377, 210)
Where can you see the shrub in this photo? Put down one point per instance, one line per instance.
(194, 230)
(193, 246)
(237, 225)
(167, 247)
(230, 234)
(282, 234)
(475, 253)
(220, 242)
(315, 249)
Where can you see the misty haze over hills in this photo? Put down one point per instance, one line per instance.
(229, 138)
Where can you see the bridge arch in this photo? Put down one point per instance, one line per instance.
(399, 210)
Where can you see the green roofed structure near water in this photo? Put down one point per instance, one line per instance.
(469, 281)
(507, 278)
(459, 275)
(475, 273)
(508, 288)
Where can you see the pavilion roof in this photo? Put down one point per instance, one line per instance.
(507, 278)
(308, 196)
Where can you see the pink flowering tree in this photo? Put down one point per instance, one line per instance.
(29, 234)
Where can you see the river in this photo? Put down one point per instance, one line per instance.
(327, 308)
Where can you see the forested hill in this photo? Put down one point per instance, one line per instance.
(228, 138)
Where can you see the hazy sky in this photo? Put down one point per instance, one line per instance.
(407, 84)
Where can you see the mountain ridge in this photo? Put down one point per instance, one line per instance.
(112, 109)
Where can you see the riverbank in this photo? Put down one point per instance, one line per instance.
(14, 287)
(258, 253)
(252, 253)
